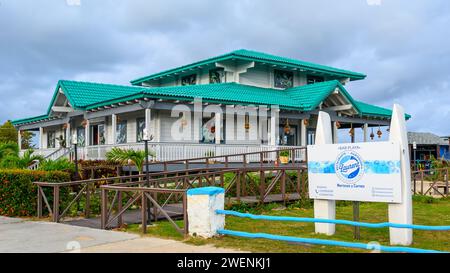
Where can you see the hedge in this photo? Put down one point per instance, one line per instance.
(18, 194)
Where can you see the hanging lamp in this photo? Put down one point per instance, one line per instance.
(287, 128)
(379, 133)
(372, 135)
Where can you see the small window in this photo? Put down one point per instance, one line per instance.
(140, 125)
(81, 136)
(51, 139)
(310, 79)
(283, 79)
(121, 132)
(189, 80)
(217, 75)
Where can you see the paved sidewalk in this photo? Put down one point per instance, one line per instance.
(18, 235)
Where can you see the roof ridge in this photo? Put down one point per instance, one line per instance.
(100, 83)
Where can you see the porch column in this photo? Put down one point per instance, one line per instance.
(217, 123)
(148, 119)
(335, 133)
(41, 134)
(273, 126)
(88, 133)
(366, 126)
(303, 141)
(19, 139)
(68, 136)
(113, 128)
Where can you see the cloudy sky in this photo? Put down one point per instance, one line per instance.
(403, 46)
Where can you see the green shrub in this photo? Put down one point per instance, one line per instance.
(18, 194)
(62, 164)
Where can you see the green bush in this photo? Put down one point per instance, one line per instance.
(18, 194)
(61, 164)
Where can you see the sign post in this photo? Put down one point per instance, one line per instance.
(402, 212)
(325, 209)
(362, 172)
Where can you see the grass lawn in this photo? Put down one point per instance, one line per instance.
(427, 211)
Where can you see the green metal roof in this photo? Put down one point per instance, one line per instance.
(88, 96)
(29, 120)
(250, 55)
(301, 98)
(82, 94)
(373, 110)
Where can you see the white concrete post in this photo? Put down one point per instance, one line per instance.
(114, 128)
(217, 124)
(41, 135)
(202, 204)
(19, 140)
(401, 213)
(324, 209)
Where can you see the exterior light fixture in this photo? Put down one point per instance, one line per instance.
(287, 128)
(372, 135)
(379, 133)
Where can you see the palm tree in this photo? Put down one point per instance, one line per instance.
(124, 156)
(12, 160)
(8, 148)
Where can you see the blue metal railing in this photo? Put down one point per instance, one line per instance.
(327, 242)
(330, 221)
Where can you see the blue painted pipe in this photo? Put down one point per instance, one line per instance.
(329, 221)
(325, 242)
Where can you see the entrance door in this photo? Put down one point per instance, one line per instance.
(97, 136)
(288, 138)
(311, 136)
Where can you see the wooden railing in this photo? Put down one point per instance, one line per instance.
(241, 184)
(431, 181)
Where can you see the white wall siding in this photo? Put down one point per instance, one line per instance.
(257, 76)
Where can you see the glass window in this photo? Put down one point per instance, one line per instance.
(217, 75)
(101, 134)
(121, 132)
(51, 139)
(310, 79)
(189, 80)
(208, 133)
(140, 125)
(81, 136)
(283, 79)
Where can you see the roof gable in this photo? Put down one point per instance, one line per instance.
(250, 55)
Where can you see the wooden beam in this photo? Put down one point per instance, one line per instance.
(63, 109)
(340, 107)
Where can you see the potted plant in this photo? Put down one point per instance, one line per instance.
(210, 153)
(284, 156)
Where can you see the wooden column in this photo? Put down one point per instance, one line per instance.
(217, 124)
(41, 136)
(113, 128)
(19, 139)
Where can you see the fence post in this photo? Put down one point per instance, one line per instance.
(104, 208)
(144, 212)
(446, 182)
(202, 204)
(39, 202)
(56, 204)
(119, 208)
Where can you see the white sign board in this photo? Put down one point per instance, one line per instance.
(355, 172)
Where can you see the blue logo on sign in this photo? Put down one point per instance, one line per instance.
(349, 167)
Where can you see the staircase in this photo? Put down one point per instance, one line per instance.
(61, 152)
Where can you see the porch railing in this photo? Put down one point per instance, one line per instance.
(168, 151)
